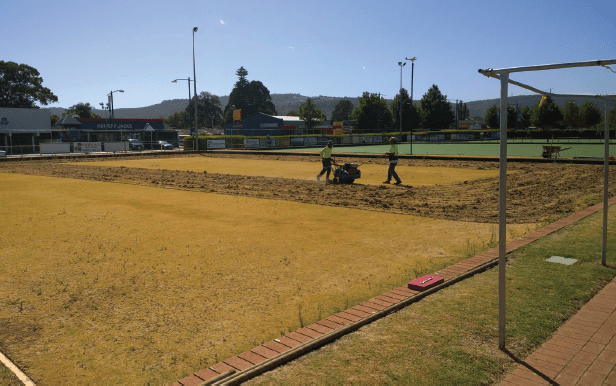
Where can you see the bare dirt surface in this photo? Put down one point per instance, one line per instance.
(535, 191)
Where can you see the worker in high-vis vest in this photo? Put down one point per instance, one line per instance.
(393, 161)
(326, 158)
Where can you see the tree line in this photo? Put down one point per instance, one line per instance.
(21, 86)
(547, 115)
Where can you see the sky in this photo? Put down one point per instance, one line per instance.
(84, 50)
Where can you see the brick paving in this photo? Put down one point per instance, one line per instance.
(582, 351)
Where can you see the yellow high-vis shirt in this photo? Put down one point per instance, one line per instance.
(327, 152)
(394, 149)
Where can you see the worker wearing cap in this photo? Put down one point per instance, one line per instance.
(393, 161)
(326, 158)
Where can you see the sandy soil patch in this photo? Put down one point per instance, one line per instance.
(116, 283)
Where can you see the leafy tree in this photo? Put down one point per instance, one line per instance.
(491, 117)
(372, 113)
(311, 115)
(512, 117)
(410, 116)
(463, 112)
(612, 122)
(84, 110)
(525, 117)
(342, 111)
(590, 115)
(292, 113)
(435, 110)
(571, 114)
(546, 113)
(209, 109)
(180, 120)
(250, 97)
(21, 86)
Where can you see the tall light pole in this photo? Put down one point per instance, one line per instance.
(401, 64)
(413, 59)
(189, 102)
(110, 95)
(196, 96)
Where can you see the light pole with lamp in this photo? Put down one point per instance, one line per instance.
(110, 95)
(401, 64)
(189, 104)
(413, 59)
(196, 95)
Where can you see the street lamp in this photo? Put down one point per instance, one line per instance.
(401, 64)
(110, 96)
(413, 59)
(189, 103)
(196, 96)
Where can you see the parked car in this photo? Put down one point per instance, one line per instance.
(134, 144)
(164, 145)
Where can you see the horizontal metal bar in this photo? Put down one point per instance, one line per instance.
(527, 87)
(591, 63)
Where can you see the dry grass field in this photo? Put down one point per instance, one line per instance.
(116, 273)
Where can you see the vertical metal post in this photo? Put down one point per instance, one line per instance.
(412, 107)
(502, 212)
(190, 109)
(606, 167)
(196, 96)
(401, 65)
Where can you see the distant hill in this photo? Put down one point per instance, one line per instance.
(290, 102)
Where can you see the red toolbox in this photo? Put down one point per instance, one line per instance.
(425, 282)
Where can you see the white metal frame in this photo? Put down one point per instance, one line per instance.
(503, 75)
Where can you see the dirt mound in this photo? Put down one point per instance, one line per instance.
(535, 192)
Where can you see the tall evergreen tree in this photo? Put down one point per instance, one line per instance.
(250, 97)
(311, 115)
(571, 114)
(463, 112)
(436, 110)
(410, 116)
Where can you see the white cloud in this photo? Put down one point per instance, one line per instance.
(291, 47)
(364, 67)
(222, 22)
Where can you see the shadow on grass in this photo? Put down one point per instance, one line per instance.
(531, 368)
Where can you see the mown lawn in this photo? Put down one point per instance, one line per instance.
(452, 337)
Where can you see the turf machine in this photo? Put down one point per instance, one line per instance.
(345, 173)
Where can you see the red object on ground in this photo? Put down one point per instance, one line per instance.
(425, 282)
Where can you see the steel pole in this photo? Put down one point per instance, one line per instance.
(192, 132)
(502, 212)
(606, 167)
(196, 96)
(401, 65)
(412, 107)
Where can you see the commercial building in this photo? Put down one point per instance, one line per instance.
(23, 130)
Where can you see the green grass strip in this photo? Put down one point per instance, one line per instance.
(451, 337)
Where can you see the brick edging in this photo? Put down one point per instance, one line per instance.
(307, 338)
